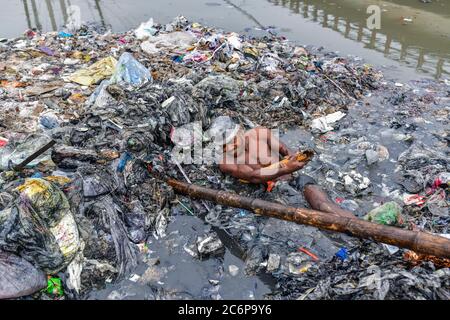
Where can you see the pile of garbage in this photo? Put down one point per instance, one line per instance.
(79, 215)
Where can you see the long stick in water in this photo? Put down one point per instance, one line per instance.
(417, 241)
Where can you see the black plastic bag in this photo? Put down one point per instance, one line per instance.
(18, 277)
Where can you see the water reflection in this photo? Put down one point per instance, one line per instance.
(56, 11)
(423, 45)
(349, 19)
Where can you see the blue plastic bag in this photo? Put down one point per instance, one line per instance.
(49, 121)
(123, 162)
(129, 71)
(342, 254)
(63, 34)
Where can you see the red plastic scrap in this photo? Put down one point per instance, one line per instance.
(3, 142)
(312, 255)
(437, 183)
(270, 186)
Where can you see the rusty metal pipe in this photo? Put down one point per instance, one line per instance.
(417, 241)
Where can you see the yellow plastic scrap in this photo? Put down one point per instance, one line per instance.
(41, 187)
(47, 199)
(33, 187)
(217, 68)
(98, 71)
(59, 180)
(81, 56)
(252, 52)
(304, 268)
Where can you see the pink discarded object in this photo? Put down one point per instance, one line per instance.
(30, 34)
(415, 199)
(437, 183)
(3, 142)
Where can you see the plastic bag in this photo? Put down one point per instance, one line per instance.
(145, 30)
(177, 39)
(130, 71)
(101, 98)
(217, 89)
(387, 214)
(12, 155)
(136, 222)
(223, 130)
(109, 227)
(149, 47)
(98, 182)
(54, 287)
(98, 71)
(49, 120)
(18, 277)
(323, 124)
(40, 226)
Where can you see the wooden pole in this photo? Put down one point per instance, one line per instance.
(33, 156)
(417, 241)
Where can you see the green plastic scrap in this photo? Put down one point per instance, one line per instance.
(54, 286)
(387, 214)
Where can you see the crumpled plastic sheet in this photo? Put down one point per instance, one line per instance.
(105, 214)
(14, 154)
(41, 226)
(145, 30)
(419, 166)
(18, 277)
(98, 71)
(217, 89)
(177, 39)
(374, 277)
(129, 71)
